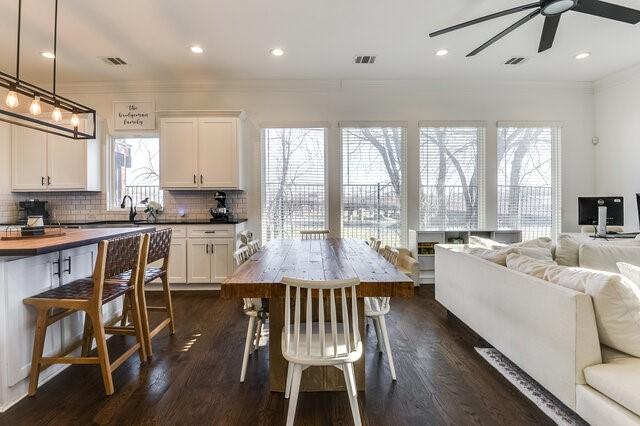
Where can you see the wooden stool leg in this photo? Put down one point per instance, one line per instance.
(139, 308)
(167, 301)
(38, 347)
(87, 336)
(125, 311)
(103, 352)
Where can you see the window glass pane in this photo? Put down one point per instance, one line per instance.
(294, 182)
(526, 193)
(373, 201)
(135, 170)
(450, 177)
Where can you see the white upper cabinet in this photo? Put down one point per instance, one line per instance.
(178, 150)
(201, 153)
(44, 162)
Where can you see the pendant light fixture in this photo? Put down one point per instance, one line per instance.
(81, 120)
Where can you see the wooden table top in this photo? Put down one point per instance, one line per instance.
(72, 238)
(319, 259)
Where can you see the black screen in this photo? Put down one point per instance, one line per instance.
(588, 210)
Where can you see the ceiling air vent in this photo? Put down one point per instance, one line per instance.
(515, 61)
(364, 59)
(112, 60)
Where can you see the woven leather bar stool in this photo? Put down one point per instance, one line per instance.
(88, 295)
(155, 247)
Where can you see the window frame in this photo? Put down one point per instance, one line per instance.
(481, 163)
(263, 188)
(557, 129)
(110, 190)
(404, 226)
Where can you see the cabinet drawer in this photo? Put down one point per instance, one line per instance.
(179, 231)
(210, 231)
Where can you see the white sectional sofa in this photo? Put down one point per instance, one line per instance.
(549, 331)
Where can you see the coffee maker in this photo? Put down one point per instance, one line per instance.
(219, 213)
(31, 208)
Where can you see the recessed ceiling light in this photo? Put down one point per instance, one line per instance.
(48, 55)
(277, 52)
(197, 49)
(583, 55)
(442, 52)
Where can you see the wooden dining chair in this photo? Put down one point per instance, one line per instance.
(307, 343)
(314, 234)
(375, 243)
(89, 295)
(155, 247)
(376, 308)
(253, 308)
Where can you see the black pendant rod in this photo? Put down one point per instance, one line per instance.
(18, 43)
(55, 49)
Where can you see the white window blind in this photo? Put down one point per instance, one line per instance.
(373, 183)
(452, 175)
(293, 183)
(529, 178)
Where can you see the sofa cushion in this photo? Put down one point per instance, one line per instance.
(618, 380)
(500, 256)
(604, 257)
(542, 243)
(528, 265)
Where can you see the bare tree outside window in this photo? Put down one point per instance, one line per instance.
(135, 170)
(294, 182)
(450, 177)
(373, 201)
(525, 180)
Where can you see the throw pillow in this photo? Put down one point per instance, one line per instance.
(500, 256)
(528, 265)
(567, 250)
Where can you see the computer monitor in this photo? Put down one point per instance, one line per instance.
(588, 210)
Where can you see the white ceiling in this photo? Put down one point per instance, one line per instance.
(320, 39)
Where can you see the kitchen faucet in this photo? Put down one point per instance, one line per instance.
(132, 209)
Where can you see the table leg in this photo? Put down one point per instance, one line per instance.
(314, 378)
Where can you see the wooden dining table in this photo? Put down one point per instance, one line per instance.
(313, 259)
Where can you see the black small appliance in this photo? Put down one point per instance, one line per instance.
(33, 208)
(219, 213)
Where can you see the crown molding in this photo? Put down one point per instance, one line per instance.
(618, 78)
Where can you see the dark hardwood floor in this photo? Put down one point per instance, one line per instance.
(194, 378)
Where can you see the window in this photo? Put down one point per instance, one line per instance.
(451, 175)
(135, 165)
(293, 194)
(373, 187)
(529, 178)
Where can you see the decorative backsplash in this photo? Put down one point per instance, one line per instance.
(91, 206)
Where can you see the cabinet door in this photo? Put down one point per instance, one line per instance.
(218, 153)
(25, 278)
(199, 261)
(28, 159)
(178, 149)
(67, 163)
(177, 262)
(222, 263)
(75, 264)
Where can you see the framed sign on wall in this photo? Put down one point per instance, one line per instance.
(138, 115)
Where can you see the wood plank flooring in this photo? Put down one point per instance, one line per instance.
(194, 378)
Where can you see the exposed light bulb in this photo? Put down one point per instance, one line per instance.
(75, 121)
(56, 115)
(12, 99)
(35, 108)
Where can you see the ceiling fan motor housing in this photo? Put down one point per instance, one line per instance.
(557, 7)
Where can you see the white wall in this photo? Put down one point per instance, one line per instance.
(410, 101)
(617, 109)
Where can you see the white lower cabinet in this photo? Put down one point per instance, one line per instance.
(210, 260)
(75, 263)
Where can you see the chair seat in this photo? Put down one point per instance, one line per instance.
(329, 357)
(82, 289)
(150, 274)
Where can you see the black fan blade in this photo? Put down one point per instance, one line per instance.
(608, 10)
(505, 32)
(548, 32)
(486, 18)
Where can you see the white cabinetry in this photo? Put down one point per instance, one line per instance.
(177, 255)
(201, 152)
(46, 162)
(210, 260)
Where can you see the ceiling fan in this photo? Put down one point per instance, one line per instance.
(551, 10)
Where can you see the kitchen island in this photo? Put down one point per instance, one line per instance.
(31, 266)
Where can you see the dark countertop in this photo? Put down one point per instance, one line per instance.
(141, 222)
(72, 238)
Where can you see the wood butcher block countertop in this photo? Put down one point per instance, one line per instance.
(72, 238)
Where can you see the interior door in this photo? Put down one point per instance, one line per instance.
(222, 263)
(218, 152)
(67, 163)
(199, 261)
(178, 149)
(28, 159)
